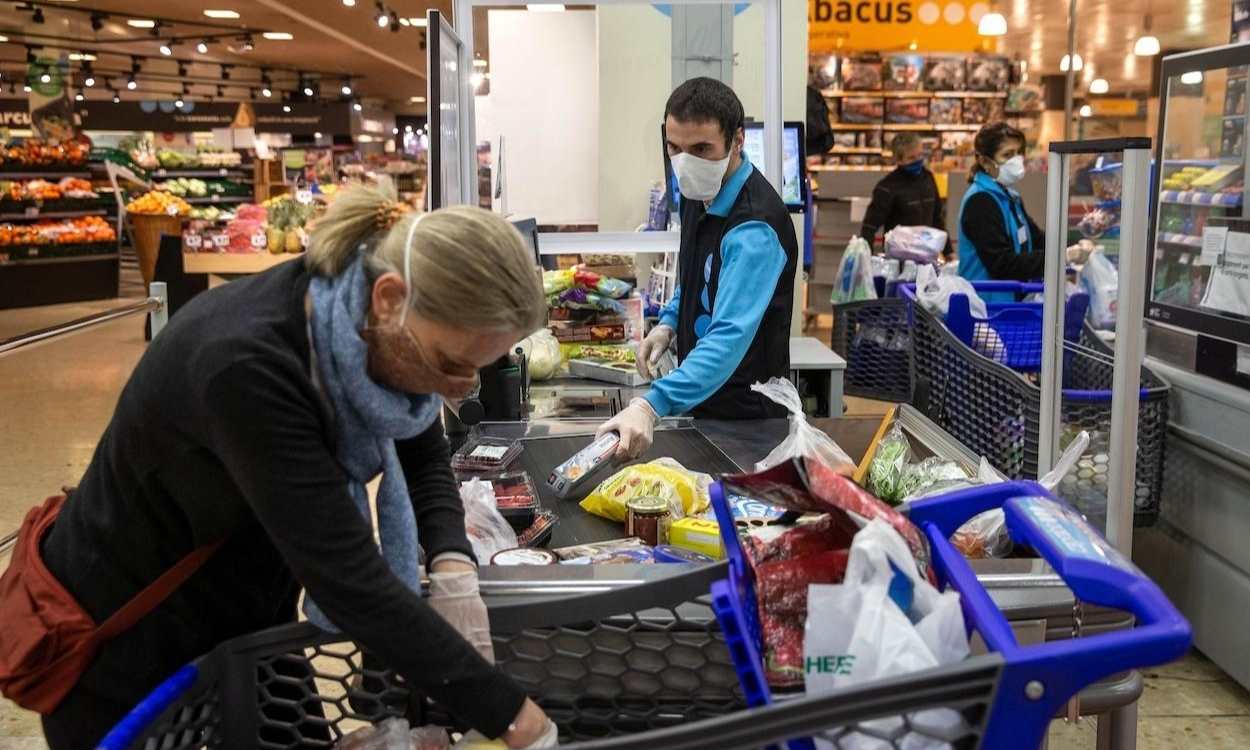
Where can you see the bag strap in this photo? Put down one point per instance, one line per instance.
(156, 592)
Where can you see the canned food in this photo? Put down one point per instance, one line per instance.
(648, 518)
(524, 556)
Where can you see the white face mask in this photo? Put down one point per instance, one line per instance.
(1010, 171)
(699, 179)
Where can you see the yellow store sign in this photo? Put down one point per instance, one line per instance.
(896, 25)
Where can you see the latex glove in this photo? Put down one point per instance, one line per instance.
(530, 729)
(636, 426)
(1079, 252)
(454, 595)
(652, 348)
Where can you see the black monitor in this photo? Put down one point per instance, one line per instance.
(529, 231)
(793, 162)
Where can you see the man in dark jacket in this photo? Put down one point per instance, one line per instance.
(907, 196)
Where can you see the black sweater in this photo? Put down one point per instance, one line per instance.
(221, 434)
(982, 223)
(903, 199)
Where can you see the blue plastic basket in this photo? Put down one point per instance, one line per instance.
(1012, 331)
(1036, 680)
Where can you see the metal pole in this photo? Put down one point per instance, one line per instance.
(773, 122)
(160, 314)
(1129, 351)
(28, 340)
(1071, 77)
(1053, 301)
(463, 24)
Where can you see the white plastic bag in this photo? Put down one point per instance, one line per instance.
(854, 280)
(921, 244)
(487, 530)
(803, 440)
(543, 353)
(1102, 284)
(1067, 461)
(858, 631)
(934, 292)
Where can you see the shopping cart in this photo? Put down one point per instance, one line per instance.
(1006, 698)
(646, 666)
(1011, 332)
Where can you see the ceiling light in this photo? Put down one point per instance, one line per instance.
(141, 23)
(179, 103)
(404, 22)
(308, 90)
(383, 18)
(222, 13)
(317, 135)
(407, 128)
(167, 48)
(30, 56)
(394, 131)
(266, 92)
(479, 63)
(3, 38)
(45, 78)
(79, 96)
(131, 83)
(1077, 63)
(1086, 110)
(350, 3)
(347, 87)
(992, 24)
(1147, 44)
(75, 56)
(89, 81)
(286, 107)
(202, 47)
(26, 88)
(417, 100)
(1099, 86)
(357, 106)
(135, 65)
(545, 7)
(1192, 78)
(116, 98)
(278, 36)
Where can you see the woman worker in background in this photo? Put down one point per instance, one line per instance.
(255, 419)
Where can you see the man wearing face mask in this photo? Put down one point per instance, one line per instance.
(730, 314)
(997, 238)
(907, 196)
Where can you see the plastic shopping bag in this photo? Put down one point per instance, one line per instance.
(393, 734)
(934, 292)
(1102, 283)
(919, 244)
(803, 440)
(854, 279)
(487, 530)
(889, 463)
(543, 354)
(685, 491)
(883, 620)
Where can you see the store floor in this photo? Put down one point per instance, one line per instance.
(57, 398)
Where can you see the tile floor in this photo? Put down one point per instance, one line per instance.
(56, 399)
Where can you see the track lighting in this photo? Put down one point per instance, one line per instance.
(347, 87)
(97, 21)
(248, 43)
(37, 16)
(225, 72)
(131, 84)
(202, 47)
(266, 92)
(167, 48)
(117, 98)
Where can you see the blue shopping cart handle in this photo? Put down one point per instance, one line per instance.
(141, 716)
(1095, 571)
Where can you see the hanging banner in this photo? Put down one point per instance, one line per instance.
(51, 111)
(890, 25)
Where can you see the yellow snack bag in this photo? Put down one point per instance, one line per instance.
(662, 478)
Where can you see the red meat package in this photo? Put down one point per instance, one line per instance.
(781, 587)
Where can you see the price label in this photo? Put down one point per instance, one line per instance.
(223, 172)
(216, 198)
(303, 196)
(221, 241)
(171, 210)
(193, 240)
(259, 240)
(32, 211)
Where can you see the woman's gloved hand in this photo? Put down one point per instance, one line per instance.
(652, 348)
(636, 426)
(531, 728)
(454, 595)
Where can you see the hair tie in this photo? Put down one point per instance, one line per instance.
(389, 214)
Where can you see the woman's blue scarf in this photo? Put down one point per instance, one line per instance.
(369, 417)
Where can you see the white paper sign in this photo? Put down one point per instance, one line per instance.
(221, 240)
(1213, 240)
(1228, 289)
(259, 240)
(171, 209)
(193, 241)
(303, 196)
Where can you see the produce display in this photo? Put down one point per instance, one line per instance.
(190, 187)
(79, 231)
(167, 158)
(33, 155)
(1218, 178)
(277, 226)
(43, 190)
(156, 202)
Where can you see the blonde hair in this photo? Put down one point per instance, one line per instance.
(469, 267)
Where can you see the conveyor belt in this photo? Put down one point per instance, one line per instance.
(687, 446)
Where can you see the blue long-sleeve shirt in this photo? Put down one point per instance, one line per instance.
(751, 259)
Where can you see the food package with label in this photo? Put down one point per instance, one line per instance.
(944, 73)
(697, 535)
(685, 491)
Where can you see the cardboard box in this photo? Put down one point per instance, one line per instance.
(697, 535)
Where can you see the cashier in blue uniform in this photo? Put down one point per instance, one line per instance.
(730, 314)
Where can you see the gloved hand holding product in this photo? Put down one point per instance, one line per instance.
(652, 348)
(636, 426)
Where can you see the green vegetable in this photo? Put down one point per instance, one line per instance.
(885, 473)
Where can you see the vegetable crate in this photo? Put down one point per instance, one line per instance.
(874, 337)
(635, 660)
(1012, 331)
(995, 411)
(1004, 698)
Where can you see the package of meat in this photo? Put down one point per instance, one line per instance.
(781, 589)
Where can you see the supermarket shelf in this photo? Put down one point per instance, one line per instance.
(858, 150)
(82, 173)
(842, 94)
(233, 263)
(58, 261)
(1182, 240)
(1199, 198)
(920, 127)
(218, 199)
(53, 215)
(201, 172)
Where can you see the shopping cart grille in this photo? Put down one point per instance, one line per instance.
(874, 337)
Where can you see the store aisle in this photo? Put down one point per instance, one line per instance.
(56, 399)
